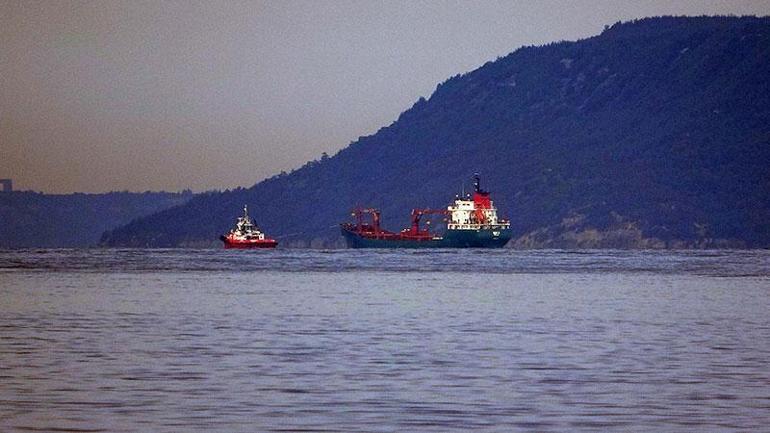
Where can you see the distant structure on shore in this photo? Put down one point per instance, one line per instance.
(7, 185)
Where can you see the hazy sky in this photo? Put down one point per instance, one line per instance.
(113, 95)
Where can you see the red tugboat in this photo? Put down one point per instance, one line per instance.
(471, 223)
(247, 235)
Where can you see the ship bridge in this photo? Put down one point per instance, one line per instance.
(474, 212)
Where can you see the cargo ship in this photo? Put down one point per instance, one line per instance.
(471, 222)
(247, 235)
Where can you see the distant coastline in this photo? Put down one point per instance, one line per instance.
(31, 219)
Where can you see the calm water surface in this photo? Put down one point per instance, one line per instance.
(384, 341)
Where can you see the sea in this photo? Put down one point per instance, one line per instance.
(177, 340)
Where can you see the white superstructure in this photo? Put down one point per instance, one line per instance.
(475, 213)
(464, 214)
(245, 229)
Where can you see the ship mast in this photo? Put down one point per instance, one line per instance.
(477, 183)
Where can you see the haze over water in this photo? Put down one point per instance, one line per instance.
(391, 341)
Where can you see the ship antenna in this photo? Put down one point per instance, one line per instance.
(245, 211)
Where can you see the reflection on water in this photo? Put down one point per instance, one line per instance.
(176, 340)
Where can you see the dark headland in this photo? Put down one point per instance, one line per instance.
(653, 134)
(34, 220)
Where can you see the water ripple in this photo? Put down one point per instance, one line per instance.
(385, 341)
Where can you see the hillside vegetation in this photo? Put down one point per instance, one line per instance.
(655, 133)
(30, 219)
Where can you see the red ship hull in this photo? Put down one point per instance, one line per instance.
(248, 244)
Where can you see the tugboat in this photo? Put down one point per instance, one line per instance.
(247, 235)
(472, 222)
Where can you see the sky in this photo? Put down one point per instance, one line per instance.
(136, 95)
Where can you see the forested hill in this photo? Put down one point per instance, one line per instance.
(655, 133)
(31, 219)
